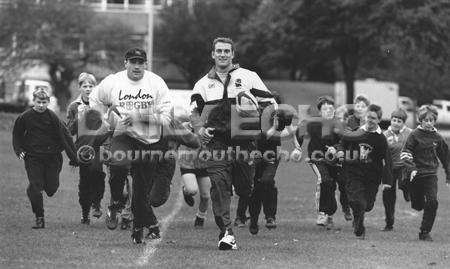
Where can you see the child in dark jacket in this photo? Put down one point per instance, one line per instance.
(422, 152)
(396, 136)
(356, 120)
(321, 146)
(366, 160)
(39, 137)
(86, 125)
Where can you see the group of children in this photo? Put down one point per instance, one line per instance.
(358, 159)
(362, 157)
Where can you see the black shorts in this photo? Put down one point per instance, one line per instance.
(196, 172)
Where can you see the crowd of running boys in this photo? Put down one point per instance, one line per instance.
(232, 114)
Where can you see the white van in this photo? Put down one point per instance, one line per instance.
(23, 93)
(383, 93)
(408, 105)
(443, 107)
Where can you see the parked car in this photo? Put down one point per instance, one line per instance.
(23, 93)
(408, 105)
(443, 107)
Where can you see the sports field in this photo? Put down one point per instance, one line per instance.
(296, 243)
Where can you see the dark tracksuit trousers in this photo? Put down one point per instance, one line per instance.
(361, 196)
(151, 177)
(224, 174)
(91, 186)
(328, 176)
(118, 169)
(265, 193)
(343, 199)
(117, 180)
(43, 175)
(423, 191)
(390, 195)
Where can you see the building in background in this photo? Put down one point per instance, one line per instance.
(134, 13)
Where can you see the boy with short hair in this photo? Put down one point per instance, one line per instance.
(366, 162)
(423, 150)
(327, 172)
(89, 133)
(356, 120)
(396, 136)
(39, 137)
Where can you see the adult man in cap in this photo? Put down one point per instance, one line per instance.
(140, 102)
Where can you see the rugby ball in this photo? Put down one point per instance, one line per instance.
(115, 115)
(246, 104)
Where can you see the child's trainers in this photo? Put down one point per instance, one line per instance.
(425, 236)
(330, 223)
(153, 233)
(112, 218)
(96, 210)
(199, 222)
(39, 223)
(347, 215)
(253, 227)
(85, 219)
(240, 223)
(138, 235)
(125, 224)
(322, 219)
(271, 223)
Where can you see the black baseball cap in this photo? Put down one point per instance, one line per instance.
(136, 53)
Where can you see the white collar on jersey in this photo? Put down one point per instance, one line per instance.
(378, 130)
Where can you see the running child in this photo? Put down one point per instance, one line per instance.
(367, 162)
(92, 178)
(396, 136)
(423, 150)
(39, 137)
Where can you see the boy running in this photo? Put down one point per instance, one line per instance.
(39, 137)
(195, 180)
(92, 177)
(423, 150)
(396, 136)
(366, 161)
(327, 173)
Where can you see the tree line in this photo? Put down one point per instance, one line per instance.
(309, 40)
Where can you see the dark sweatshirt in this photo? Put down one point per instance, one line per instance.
(91, 131)
(353, 123)
(367, 157)
(320, 138)
(423, 150)
(40, 133)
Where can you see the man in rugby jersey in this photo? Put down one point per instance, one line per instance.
(220, 87)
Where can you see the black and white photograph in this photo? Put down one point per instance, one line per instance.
(225, 134)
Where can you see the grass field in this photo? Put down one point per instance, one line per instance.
(296, 243)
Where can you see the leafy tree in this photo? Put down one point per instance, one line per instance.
(354, 32)
(417, 52)
(50, 33)
(185, 35)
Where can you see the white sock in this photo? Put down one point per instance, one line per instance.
(201, 215)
